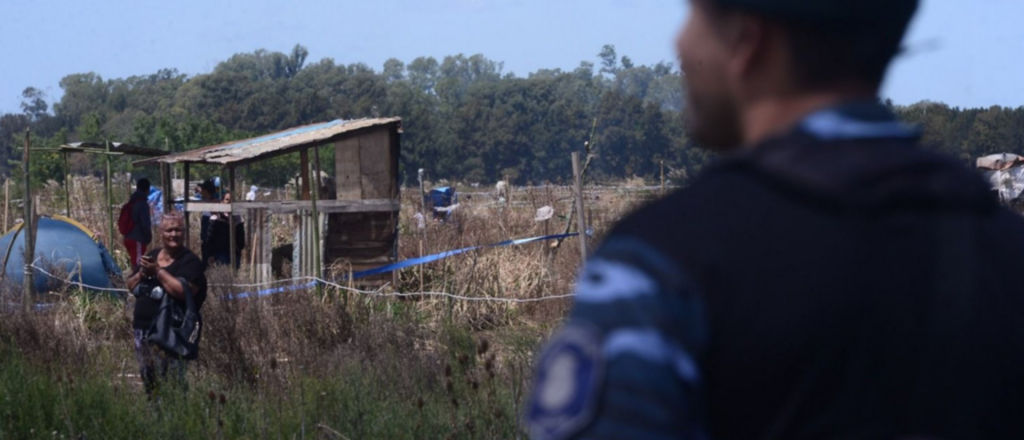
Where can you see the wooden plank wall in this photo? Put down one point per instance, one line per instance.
(366, 168)
(349, 180)
(259, 249)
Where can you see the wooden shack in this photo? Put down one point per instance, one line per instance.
(366, 168)
(352, 228)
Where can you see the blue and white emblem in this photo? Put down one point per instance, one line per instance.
(565, 388)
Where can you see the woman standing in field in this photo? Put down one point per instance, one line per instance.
(164, 271)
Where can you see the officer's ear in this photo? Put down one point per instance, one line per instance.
(742, 36)
(759, 61)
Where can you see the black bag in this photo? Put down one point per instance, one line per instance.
(177, 331)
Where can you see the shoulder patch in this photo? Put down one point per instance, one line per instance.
(605, 281)
(566, 384)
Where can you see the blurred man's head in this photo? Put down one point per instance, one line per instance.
(736, 54)
(143, 185)
(207, 190)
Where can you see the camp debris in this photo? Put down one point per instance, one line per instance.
(441, 201)
(1005, 172)
(544, 213)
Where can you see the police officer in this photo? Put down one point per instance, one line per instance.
(827, 279)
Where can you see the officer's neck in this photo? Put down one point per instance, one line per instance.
(773, 116)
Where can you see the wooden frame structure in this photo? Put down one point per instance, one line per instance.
(107, 149)
(361, 220)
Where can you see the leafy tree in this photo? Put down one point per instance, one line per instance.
(463, 116)
(609, 59)
(34, 104)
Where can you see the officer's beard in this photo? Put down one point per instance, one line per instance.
(713, 121)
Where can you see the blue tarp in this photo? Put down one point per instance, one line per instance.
(442, 197)
(156, 204)
(61, 244)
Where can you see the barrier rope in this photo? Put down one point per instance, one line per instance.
(313, 281)
(78, 284)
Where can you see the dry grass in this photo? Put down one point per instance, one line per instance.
(340, 364)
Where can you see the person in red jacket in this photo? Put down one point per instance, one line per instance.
(141, 234)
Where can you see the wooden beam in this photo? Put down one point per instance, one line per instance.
(79, 150)
(292, 206)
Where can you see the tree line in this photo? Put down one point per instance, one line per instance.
(464, 117)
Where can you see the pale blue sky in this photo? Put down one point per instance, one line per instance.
(964, 52)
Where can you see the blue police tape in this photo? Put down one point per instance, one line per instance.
(272, 291)
(401, 265)
(431, 258)
(376, 271)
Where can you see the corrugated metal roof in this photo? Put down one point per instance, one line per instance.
(120, 147)
(273, 144)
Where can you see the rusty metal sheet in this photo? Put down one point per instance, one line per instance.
(272, 144)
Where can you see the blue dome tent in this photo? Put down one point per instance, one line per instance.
(60, 243)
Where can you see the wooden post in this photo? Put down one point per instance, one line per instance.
(232, 246)
(29, 282)
(184, 203)
(67, 184)
(266, 246)
(70, 184)
(420, 267)
(164, 178)
(508, 190)
(167, 182)
(167, 187)
(250, 221)
(317, 258)
(110, 203)
(307, 247)
(304, 174)
(662, 177)
(423, 204)
(578, 185)
(7, 204)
